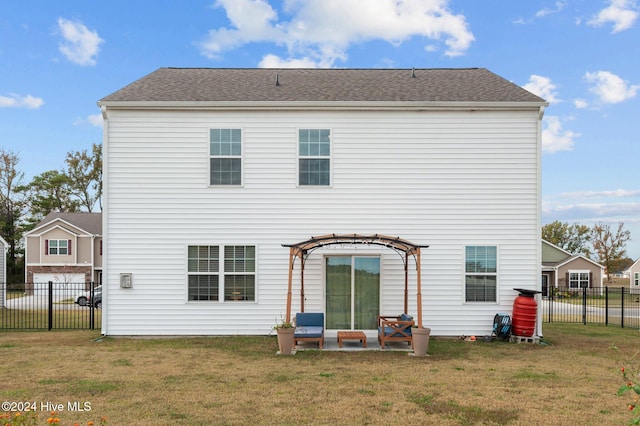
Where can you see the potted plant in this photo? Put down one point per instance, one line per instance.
(285, 330)
(420, 340)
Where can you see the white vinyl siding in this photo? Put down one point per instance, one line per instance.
(440, 178)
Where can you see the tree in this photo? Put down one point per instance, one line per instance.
(609, 247)
(85, 176)
(11, 210)
(49, 192)
(572, 238)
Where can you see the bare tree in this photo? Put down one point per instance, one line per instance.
(609, 246)
(11, 207)
(84, 171)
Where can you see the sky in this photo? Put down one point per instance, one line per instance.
(58, 58)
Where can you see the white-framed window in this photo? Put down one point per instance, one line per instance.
(579, 279)
(481, 273)
(58, 247)
(225, 157)
(217, 273)
(636, 279)
(314, 157)
(203, 265)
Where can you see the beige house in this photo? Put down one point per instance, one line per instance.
(64, 248)
(634, 277)
(568, 272)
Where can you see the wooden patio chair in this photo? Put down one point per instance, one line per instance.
(394, 329)
(309, 328)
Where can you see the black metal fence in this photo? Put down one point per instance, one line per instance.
(607, 305)
(48, 306)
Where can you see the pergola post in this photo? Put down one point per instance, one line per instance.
(406, 282)
(419, 284)
(291, 260)
(302, 284)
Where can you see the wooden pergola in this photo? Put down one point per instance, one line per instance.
(405, 248)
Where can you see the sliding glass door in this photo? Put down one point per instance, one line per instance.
(352, 292)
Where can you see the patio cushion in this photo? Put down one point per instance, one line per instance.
(308, 331)
(310, 318)
(391, 332)
(406, 317)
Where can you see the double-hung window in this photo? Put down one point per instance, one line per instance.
(314, 162)
(481, 273)
(221, 270)
(239, 273)
(636, 279)
(225, 151)
(578, 279)
(203, 264)
(58, 247)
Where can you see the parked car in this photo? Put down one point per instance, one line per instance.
(83, 298)
(97, 299)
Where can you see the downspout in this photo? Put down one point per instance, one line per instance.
(105, 220)
(539, 217)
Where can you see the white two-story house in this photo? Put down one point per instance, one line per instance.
(211, 174)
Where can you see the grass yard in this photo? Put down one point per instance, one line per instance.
(573, 379)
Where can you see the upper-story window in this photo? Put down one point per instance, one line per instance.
(225, 151)
(314, 163)
(58, 247)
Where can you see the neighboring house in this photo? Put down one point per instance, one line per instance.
(634, 277)
(208, 172)
(4, 247)
(568, 272)
(64, 248)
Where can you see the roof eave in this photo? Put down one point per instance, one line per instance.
(321, 105)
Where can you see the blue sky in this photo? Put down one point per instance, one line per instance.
(58, 58)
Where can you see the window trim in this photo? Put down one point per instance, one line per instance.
(636, 279)
(578, 271)
(309, 157)
(495, 274)
(49, 247)
(240, 157)
(222, 273)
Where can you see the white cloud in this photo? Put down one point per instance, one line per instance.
(273, 61)
(592, 211)
(617, 193)
(548, 11)
(543, 87)
(555, 138)
(610, 88)
(622, 13)
(80, 45)
(17, 101)
(322, 30)
(580, 103)
(93, 120)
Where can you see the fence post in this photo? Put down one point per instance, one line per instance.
(606, 305)
(584, 305)
(91, 308)
(622, 307)
(50, 286)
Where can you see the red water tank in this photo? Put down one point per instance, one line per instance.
(525, 311)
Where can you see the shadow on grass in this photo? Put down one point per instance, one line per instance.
(466, 415)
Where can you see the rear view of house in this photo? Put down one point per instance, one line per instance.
(211, 176)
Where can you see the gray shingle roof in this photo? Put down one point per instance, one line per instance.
(321, 85)
(89, 222)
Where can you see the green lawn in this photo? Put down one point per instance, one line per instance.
(571, 378)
